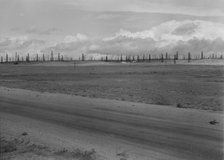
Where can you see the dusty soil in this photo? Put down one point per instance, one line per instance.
(183, 86)
(37, 125)
(57, 111)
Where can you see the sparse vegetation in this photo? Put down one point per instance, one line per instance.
(7, 146)
(213, 122)
(148, 83)
(180, 105)
(24, 134)
(20, 146)
(77, 153)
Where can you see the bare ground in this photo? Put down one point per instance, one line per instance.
(60, 126)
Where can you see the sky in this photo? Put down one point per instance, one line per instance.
(111, 27)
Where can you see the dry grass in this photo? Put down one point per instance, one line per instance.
(192, 86)
(22, 148)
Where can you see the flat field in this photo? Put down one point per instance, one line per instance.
(78, 121)
(184, 86)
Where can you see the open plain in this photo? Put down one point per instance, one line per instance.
(111, 111)
(190, 86)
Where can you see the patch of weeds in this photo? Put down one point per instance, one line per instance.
(154, 72)
(122, 154)
(162, 103)
(77, 153)
(23, 146)
(180, 105)
(60, 152)
(213, 122)
(7, 146)
(183, 106)
(24, 134)
(36, 148)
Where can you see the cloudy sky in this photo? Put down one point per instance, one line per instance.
(111, 27)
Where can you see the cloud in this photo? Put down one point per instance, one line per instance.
(4, 42)
(171, 36)
(23, 44)
(173, 31)
(190, 7)
(107, 16)
(78, 38)
(71, 45)
(185, 29)
(20, 44)
(94, 47)
(35, 30)
(32, 43)
(12, 41)
(195, 46)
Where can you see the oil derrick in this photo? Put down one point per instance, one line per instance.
(202, 56)
(189, 57)
(162, 58)
(59, 57)
(83, 57)
(166, 55)
(52, 56)
(7, 57)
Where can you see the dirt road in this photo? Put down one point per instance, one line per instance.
(142, 131)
